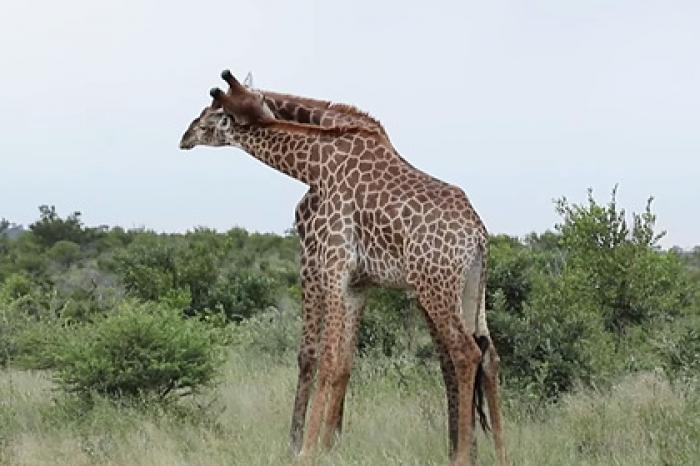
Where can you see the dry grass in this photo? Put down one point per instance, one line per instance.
(643, 420)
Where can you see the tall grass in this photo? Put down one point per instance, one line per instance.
(394, 416)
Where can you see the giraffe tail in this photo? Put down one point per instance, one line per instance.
(473, 308)
(483, 343)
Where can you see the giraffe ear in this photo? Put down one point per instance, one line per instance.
(248, 81)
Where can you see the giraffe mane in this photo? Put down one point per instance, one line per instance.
(352, 110)
(328, 105)
(315, 103)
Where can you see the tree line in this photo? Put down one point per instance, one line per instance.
(124, 312)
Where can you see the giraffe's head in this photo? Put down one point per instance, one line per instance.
(208, 129)
(239, 106)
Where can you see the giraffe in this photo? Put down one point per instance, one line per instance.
(326, 114)
(380, 221)
(330, 114)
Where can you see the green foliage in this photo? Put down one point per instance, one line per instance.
(240, 294)
(633, 280)
(388, 325)
(579, 305)
(586, 302)
(153, 265)
(140, 349)
(510, 264)
(679, 347)
(64, 253)
(147, 266)
(24, 255)
(272, 332)
(50, 228)
(557, 340)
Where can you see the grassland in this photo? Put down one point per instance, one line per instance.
(642, 420)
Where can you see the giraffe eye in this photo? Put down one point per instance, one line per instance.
(224, 123)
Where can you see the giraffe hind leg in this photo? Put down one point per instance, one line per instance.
(450, 380)
(490, 363)
(443, 308)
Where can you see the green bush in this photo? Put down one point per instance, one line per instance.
(51, 228)
(586, 303)
(154, 265)
(557, 340)
(633, 280)
(510, 269)
(240, 294)
(272, 332)
(64, 252)
(679, 346)
(388, 326)
(141, 349)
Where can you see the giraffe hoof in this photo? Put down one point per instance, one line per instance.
(215, 92)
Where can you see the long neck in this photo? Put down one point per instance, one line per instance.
(292, 151)
(320, 112)
(313, 155)
(323, 113)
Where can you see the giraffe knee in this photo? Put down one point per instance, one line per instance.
(467, 358)
(306, 359)
(341, 376)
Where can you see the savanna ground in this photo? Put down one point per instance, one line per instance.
(640, 420)
(138, 348)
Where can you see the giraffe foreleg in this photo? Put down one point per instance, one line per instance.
(355, 302)
(328, 377)
(312, 306)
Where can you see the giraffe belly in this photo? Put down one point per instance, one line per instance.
(381, 268)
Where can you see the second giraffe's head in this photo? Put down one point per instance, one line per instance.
(239, 106)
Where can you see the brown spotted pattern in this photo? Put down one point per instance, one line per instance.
(378, 221)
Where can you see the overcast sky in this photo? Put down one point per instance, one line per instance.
(517, 102)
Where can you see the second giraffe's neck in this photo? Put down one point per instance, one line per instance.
(324, 113)
(303, 152)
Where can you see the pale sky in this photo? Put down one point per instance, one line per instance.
(517, 102)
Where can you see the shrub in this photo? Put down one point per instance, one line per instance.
(64, 253)
(273, 332)
(633, 280)
(510, 265)
(141, 349)
(557, 340)
(240, 294)
(679, 346)
(51, 228)
(388, 326)
(147, 266)
(154, 265)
